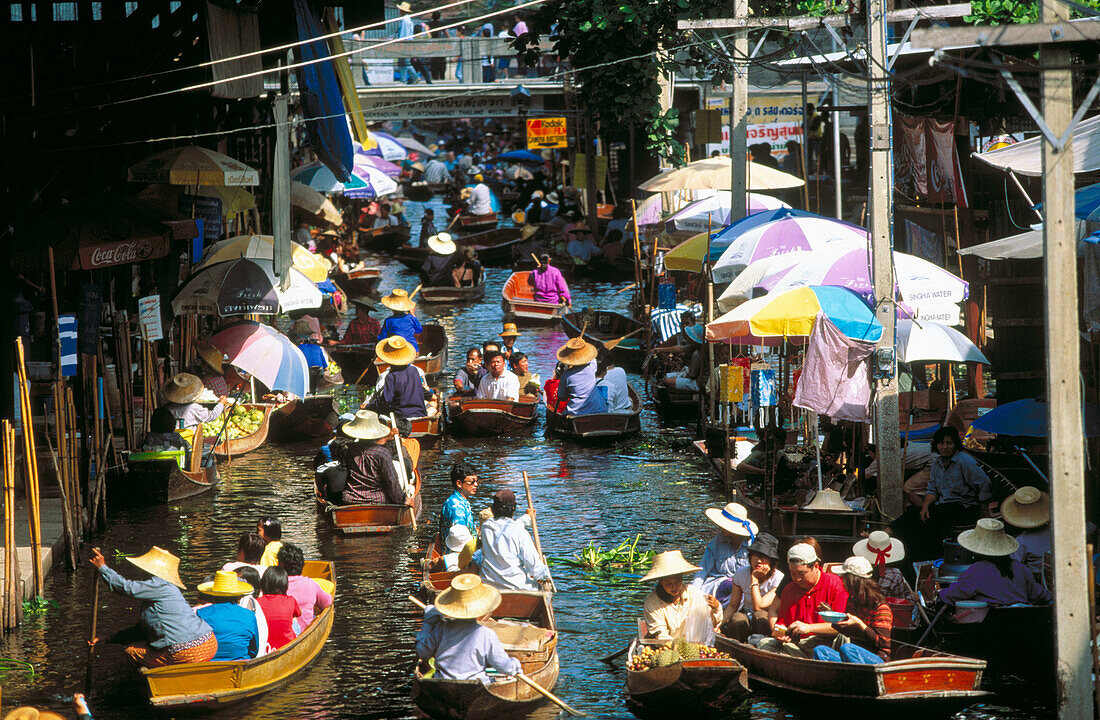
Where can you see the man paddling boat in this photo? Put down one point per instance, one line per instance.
(509, 559)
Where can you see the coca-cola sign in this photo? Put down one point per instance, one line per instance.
(121, 253)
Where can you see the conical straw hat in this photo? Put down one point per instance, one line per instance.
(467, 598)
(670, 562)
(828, 500)
(160, 563)
(225, 584)
(395, 350)
(398, 299)
(988, 538)
(365, 426)
(183, 388)
(211, 355)
(1027, 508)
(577, 352)
(509, 330)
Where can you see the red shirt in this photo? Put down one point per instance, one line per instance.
(362, 332)
(798, 604)
(280, 611)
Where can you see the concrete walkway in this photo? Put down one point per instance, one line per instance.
(50, 552)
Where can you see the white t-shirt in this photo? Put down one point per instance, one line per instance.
(743, 579)
(505, 387)
(480, 201)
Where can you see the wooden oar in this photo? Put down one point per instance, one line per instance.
(414, 292)
(535, 525)
(401, 466)
(550, 696)
(615, 655)
(609, 344)
(91, 639)
(631, 286)
(538, 263)
(417, 602)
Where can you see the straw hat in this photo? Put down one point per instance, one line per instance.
(527, 231)
(580, 227)
(880, 546)
(301, 331)
(30, 713)
(465, 193)
(418, 166)
(442, 244)
(828, 500)
(403, 7)
(365, 426)
(398, 299)
(225, 584)
(670, 562)
(467, 598)
(988, 538)
(1027, 508)
(158, 562)
(733, 518)
(509, 330)
(183, 388)
(553, 198)
(210, 355)
(856, 565)
(395, 350)
(576, 352)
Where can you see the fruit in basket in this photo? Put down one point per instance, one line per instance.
(646, 657)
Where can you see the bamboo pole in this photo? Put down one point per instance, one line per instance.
(11, 579)
(123, 375)
(66, 517)
(74, 457)
(30, 464)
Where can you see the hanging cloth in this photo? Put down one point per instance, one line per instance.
(836, 375)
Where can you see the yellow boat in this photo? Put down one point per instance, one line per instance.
(215, 684)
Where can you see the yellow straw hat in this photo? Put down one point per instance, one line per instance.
(160, 563)
(527, 231)
(398, 299)
(1027, 508)
(467, 598)
(365, 426)
(211, 355)
(518, 217)
(183, 388)
(670, 562)
(442, 244)
(225, 584)
(576, 352)
(509, 330)
(395, 350)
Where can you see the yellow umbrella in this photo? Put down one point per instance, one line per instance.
(314, 203)
(260, 247)
(688, 255)
(192, 165)
(234, 199)
(715, 174)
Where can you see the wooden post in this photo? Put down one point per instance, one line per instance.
(591, 195)
(30, 466)
(738, 108)
(11, 571)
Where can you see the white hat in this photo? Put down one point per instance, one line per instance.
(458, 537)
(802, 554)
(880, 547)
(856, 565)
(733, 518)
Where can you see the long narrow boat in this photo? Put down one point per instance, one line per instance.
(385, 238)
(672, 401)
(486, 418)
(353, 360)
(218, 683)
(427, 430)
(518, 301)
(494, 248)
(597, 426)
(524, 622)
(433, 351)
(418, 191)
(603, 325)
(231, 447)
(434, 578)
(313, 416)
(155, 478)
(477, 223)
(359, 283)
(703, 688)
(372, 519)
(919, 681)
(452, 294)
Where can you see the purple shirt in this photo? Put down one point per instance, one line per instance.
(983, 581)
(550, 286)
(462, 649)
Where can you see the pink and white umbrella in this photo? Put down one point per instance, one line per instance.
(363, 158)
(266, 353)
(712, 213)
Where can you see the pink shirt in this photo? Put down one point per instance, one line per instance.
(308, 594)
(550, 286)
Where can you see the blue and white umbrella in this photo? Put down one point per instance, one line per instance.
(378, 183)
(317, 176)
(386, 146)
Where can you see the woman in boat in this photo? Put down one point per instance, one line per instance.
(613, 384)
(402, 391)
(250, 551)
(363, 329)
(995, 578)
(372, 478)
(669, 607)
(402, 322)
(509, 560)
(577, 386)
(692, 377)
(727, 552)
(308, 592)
(958, 493)
(755, 589)
(869, 620)
(162, 435)
(881, 550)
(301, 334)
(441, 260)
(169, 632)
(235, 627)
(181, 392)
(549, 285)
(1029, 510)
(280, 609)
(467, 273)
(467, 378)
(463, 649)
(529, 383)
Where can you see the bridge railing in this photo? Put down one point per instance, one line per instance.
(473, 60)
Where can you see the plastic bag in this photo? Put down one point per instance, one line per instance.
(699, 626)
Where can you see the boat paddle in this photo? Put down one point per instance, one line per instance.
(415, 601)
(610, 659)
(535, 525)
(631, 286)
(228, 413)
(401, 467)
(933, 624)
(414, 292)
(538, 264)
(91, 638)
(612, 344)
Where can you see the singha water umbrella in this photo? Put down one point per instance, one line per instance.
(243, 287)
(385, 146)
(261, 247)
(192, 165)
(790, 315)
(1028, 418)
(317, 176)
(362, 157)
(378, 184)
(714, 211)
(411, 143)
(716, 174)
(933, 342)
(266, 353)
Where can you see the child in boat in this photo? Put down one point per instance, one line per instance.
(279, 608)
(271, 530)
(162, 433)
(251, 575)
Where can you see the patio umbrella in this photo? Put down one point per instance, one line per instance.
(243, 287)
(790, 315)
(715, 174)
(317, 176)
(192, 165)
(377, 182)
(259, 247)
(234, 199)
(649, 210)
(524, 156)
(314, 203)
(385, 146)
(1028, 418)
(933, 342)
(411, 143)
(714, 211)
(362, 157)
(267, 354)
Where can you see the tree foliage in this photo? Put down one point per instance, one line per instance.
(1002, 12)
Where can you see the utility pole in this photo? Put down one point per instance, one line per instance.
(739, 106)
(880, 196)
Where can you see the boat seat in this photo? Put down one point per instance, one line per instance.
(516, 637)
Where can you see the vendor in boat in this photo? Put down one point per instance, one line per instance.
(218, 376)
(533, 212)
(402, 322)
(995, 577)
(509, 559)
(402, 391)
(612, 383)
(427, 227)
(1029, 510)
(670, 605)
(508, 337)
(301, 334)
(468, 271)
(959, 491)
(463, 649)
(441, 260)
(581, 246)
(680, 339)
(529, 243)
(549, 285)
(501, 383)
(481, 198)
(181, 392)
(456, 509)
(577, 385)
(869, 620)
(796, 624)
(235, 627)
(691, 377)
(727, 552)
(754, 590)
(363, 329)
(372, 478)
(882, 550)
(467, 378)
(529, 383)
(162, 435)
(169, 632)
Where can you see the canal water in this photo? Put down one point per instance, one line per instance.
(652, 486)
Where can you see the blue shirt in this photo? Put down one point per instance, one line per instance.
(166, 618)
(462, 649)
(402, 394)
(235, 628)
(959, 479)
(407, 326)
(720, 561)
(578, 388)
(315, 355)
(456, 511)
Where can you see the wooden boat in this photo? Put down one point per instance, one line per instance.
(218, 683)
(704, 688)
(524, 621)
(519, 302)
(361, 283)
(671, 401)
(602, 325)
(248, 443)
(433, 351)
(385, 238)
(427, 430)
(487, 418)
(452, 294)
(157, 478)
(494, 248)
(418, 191)
(477, 223)
(439, 188)
(918, 680)
(372, 519)
(353, 360)
(992, 638)
(434, 578)
(313, 416)
(598, 426)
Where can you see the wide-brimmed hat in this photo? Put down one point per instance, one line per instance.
(225, 584)
(856, 565)
(579, 227)
(398, 299)
(988, 538)
(183, 388)
(576, 352)
(1028, 507)
(879, 547)
(828, 500)
(767, 545)
(695, 333)
(509, 330)
(467, 598)
(158, 562)
(210, 355)
(670, 562)
(365, 304)
(442, 244)
(527, 231)
(465, 193)
(553, 198)
(733, 518)
(301, 331)
(395, 350)
(403, 6)
(418, 166)
(365, 426)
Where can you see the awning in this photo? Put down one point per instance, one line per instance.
(1026, 157)
(1025, 246)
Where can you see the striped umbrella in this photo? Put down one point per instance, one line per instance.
(385, 146)
(316, 175)
(377, 182)
(714, 211)
(790, 315)
(364, 158)
(266, 353)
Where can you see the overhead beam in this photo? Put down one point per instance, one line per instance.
(1086, 30)
(810, 22)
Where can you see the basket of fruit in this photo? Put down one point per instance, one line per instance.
(246, 429)
(687, 678)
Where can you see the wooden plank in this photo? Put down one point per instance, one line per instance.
(1081, 31)
(809, 22)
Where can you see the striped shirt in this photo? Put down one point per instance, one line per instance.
(881, 621)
